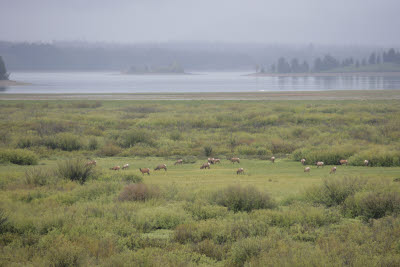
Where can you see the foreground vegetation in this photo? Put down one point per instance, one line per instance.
(56, 210)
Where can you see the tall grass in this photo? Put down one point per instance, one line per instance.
(76, 170)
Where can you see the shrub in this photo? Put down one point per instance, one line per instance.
(372, 205)
(329, 155)
(238, 198)
(376, 158)
(93, 144)
(76, 170)
(68, 142)
(208, 151)
(27, 141)
(138, 192)
(3, 221)
(244, 249)
(334, 191)
(18, 156)
(184, 233)
(189, 159)
(134, 137)
(38, 176)
(109, 150)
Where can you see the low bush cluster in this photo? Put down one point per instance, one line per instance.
(76, 170)
(138, 192)
(18, 156)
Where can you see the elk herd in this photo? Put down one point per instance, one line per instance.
(212, 161)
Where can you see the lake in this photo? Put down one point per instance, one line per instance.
(109, 82)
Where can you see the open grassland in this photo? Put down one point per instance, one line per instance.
(57, 211)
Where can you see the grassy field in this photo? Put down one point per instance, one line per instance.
(56, 211)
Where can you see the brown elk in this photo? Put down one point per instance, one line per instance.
(319, 164)
(115, 168)
(366, 162)
(240, 170)
(211, 160)
(91, 163)
(343, 162)
(273, 159)
(217, 161)
(126, 166)
(179, 161)
(162, 166)
(333, 170)
(303, 161)
(205, 166)
(235, 160)
(145, 170)
(307, 169)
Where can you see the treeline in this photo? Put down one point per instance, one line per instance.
(328, 63)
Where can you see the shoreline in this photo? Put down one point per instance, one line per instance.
(325, 74)
(253, 96)
(5, 83)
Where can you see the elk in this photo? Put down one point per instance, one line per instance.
(343, 162)
(333, 170)
(145, 170)
(162, 166)
(307, 169)
(126, 166)
(273, 159)
(235, 160)
(179, 161)
(366, 162)
(91, 162)
(211, 160)
(319, 164)
(303, 161)
(205, 166)
(217, 161)
(240, 170)
(115, 168)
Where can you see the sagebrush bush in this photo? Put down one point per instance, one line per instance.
(76, 170)
(38, 176)
(138, 192)
(93, 144)
(208, 150)
(238, 198)
(131, 178)
(18, 156)
(109, 150)
(334, 191)
(132, 138)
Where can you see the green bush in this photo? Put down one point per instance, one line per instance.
(238, 198)
(76, 170)
(138, 192)
(109, 150)
(334, 191)
(383, 157)
(372, 205)
(208, 151)
(132, 138)
(131, 178)
(93, 144)
(38, 176)
(329, 155)
(245, 249)
(63, 141)
(18, 156)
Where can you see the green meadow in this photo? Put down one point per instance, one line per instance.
(55, 210)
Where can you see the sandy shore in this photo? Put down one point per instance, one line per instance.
(5, 83)
(304, 95)
(325, 74)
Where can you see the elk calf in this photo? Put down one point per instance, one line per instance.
(343, 162)
(240, 170)
(162, 166)
(91, 163)
(205, 166)
(115, 168)
(307, 169)
(319, 164)
(303, 161)
(126, 166)
(235, 160)
(333, 170)
(366, 162)
(217, 161)
(145, 170)
(273, 159)
(179, 161)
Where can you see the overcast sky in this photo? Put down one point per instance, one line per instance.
(262, 21)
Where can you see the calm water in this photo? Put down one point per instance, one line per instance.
(107, 82)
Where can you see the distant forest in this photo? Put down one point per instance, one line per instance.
(375, 62)
(82, 56)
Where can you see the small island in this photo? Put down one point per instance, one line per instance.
(174, 69)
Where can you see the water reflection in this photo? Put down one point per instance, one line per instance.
(3, 88)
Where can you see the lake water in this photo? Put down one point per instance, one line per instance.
(108, 82)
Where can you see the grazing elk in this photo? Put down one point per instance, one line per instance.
(333, 170)
(235, 160)
(217, 161)
(91, 163)
(240, 170)
(145, 170)
(211, 160)
(126, 166)
(366, 162)
(162, 166)
(319, 164)
(179, 161)
(273, 159)
(115, 168)
(205, 166)
(307, 169)
(303, 161)
(343, 162)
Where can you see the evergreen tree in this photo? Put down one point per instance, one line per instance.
(283, 66)
(3, 71)
(372, 59)
(295, 66)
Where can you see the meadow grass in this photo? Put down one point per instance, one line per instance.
(274, 214)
